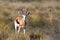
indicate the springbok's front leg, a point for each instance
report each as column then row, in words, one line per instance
column 24, row 30
column 19, row 29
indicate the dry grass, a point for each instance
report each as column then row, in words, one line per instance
column 39, row 22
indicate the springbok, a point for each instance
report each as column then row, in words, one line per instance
column 20, row 21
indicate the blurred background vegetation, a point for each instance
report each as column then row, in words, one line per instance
column 44, row 20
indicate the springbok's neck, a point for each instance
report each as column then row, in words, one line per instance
column 24, row 16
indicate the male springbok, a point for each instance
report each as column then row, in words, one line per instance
column 19, row 22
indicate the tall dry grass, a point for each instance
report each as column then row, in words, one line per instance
column 43, row 21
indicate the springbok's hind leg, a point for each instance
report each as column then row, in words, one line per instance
column 15, row 27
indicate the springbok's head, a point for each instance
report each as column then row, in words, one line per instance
column 23, row 12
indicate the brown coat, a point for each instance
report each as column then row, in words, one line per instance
column 20, row 21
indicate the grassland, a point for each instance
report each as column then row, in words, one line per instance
column 43, row 21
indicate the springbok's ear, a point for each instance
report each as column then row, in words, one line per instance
column 28, row 13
